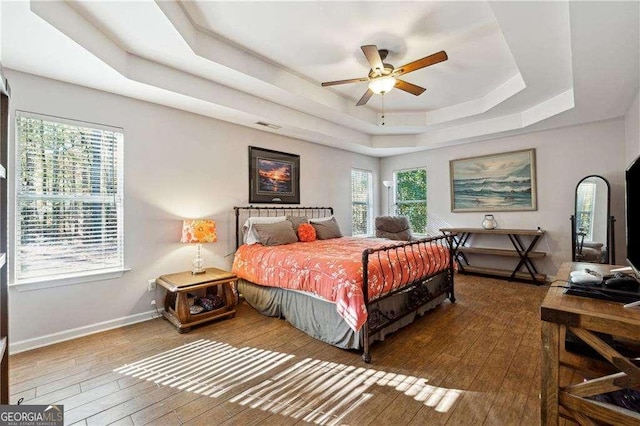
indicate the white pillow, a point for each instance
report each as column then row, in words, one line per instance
column 250, row 236
column 320, row 219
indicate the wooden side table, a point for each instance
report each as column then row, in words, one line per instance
column 176, row 303
column 585, row 317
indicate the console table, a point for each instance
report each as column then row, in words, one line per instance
column 583, row 317
column 523, row 253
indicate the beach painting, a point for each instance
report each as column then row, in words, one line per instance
column 497, row 182
column 274, row 177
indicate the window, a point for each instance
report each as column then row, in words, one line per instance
column 68, row 198
column 411, row 197
column 361, row 202
column 585, row 203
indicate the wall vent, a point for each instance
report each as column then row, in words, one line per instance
column 269, row 125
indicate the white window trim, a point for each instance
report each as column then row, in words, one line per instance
column 66, row 279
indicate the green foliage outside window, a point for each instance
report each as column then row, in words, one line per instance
column 411, row 198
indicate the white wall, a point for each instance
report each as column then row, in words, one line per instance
column 632, row 129
column 563, row 157
column 177, row 165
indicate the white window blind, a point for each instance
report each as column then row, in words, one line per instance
column 411, row 197
column 361, row 202
column 69, row 198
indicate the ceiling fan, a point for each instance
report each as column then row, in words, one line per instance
column 384, row 77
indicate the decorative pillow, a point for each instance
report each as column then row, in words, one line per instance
column 297, row 220
column 320, row 219
column 250, row 235
column 306, row 232
column 275, row 234
column 327, row 229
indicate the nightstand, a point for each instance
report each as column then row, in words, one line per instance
column 176, row 303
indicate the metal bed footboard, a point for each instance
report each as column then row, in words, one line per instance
column 417, row 250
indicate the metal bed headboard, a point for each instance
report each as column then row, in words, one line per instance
column 265, row 211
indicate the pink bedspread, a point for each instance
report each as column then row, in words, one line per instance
column 332, row 269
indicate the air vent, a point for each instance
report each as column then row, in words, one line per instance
column 269, row 125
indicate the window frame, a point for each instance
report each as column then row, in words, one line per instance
column 396, row 203
column 369, row 204
column 74, row 277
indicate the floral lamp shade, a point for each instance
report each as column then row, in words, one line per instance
column 198, row 231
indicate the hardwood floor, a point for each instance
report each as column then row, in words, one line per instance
column 470, row 363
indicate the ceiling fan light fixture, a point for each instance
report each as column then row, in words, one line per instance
column 382, row 84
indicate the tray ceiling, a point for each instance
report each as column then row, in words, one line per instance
column 513, row 66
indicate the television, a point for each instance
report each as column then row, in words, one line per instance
column 632, row 201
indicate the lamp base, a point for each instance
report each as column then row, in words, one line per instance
column 197, row 265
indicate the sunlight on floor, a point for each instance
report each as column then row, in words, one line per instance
column 324, row 392
column 205, row 367
column 320, row 392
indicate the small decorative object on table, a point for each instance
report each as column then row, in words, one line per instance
column 489, row 222
column 198, row 231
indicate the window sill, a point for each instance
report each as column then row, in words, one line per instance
column 41, row 283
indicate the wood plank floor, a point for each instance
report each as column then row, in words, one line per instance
column 470, row 363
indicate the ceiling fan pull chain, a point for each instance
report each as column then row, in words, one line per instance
column 383, row 108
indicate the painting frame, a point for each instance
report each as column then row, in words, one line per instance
column 274, row 177
column 494, row 182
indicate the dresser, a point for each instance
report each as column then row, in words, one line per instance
column 585, row 376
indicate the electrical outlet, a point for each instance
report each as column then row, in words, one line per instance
column 151, row 285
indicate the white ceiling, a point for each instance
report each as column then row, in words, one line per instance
column 513, row 66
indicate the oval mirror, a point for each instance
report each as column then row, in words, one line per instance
column 592, row 233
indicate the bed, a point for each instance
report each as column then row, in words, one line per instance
column 348, row 291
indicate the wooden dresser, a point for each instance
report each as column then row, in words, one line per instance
column 586, row 376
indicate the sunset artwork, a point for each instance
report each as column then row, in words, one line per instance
column 274, row 176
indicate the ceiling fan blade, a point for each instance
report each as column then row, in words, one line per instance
column 421, row 63
column 365, row 98
column 373, row 57
column 353, row 80
column 409, row 87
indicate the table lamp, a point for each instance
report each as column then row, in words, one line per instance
column 198, row 231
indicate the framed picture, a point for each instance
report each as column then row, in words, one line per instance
column 494, row 183
column 274, row 177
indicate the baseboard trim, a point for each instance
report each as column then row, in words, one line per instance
column 61, row 336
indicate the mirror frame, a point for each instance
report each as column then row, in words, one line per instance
column 610, row 239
